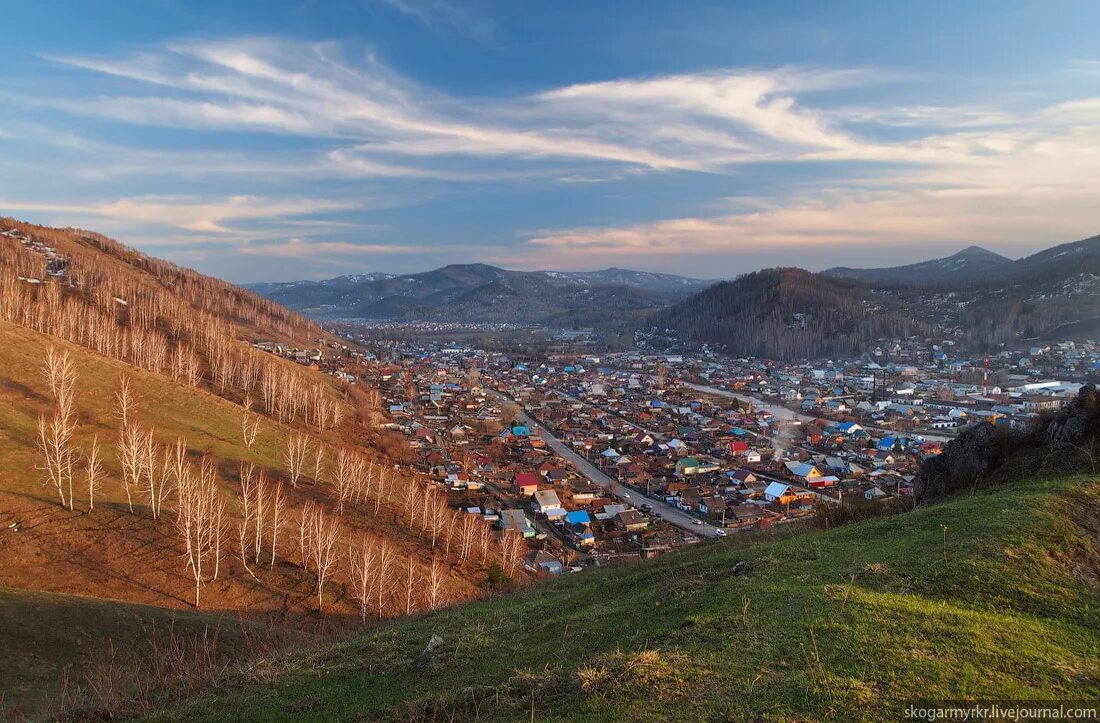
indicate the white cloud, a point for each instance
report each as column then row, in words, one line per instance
column 974, row 173
column 314, row 250
column 213, row 217
column 446, row 16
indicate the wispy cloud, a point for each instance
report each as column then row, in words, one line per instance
column 446, row 16
column 698, row 122
column 891, row 173
column 312, row 249
column 213, row 218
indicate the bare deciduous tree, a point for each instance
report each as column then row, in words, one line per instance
column 94, row 471
column 200, row 523
column 386, row 556
column 250, row 427
column 61, row 376
column 318, row 461
column 294, row 456
column 511, row 549
column 466, row 537
column 319, row 535
column 361, row 565
column 410, row 585
column 436, row 576
column 55, row 447
column 130, row 447
column 278, row 505
column 124, row 400
column 55, row 435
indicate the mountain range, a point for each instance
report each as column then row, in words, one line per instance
column 480, row 292
column 976, row 298
column 970, row 263
column 979, row 298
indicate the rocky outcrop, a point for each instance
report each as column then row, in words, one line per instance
column 962, row 463
column 970, row 460
column 1077, row 422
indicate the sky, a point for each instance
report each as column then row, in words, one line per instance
column 278, row 141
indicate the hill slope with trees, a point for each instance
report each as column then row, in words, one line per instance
column 151, row 454
column 787, row 313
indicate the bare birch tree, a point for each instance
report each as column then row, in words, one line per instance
column 384, row 584
column 436, row 576
column 294, row 456
column 320, row 533
column 250, row 427
column 361, row 565
column 124, row 400
column 278, row 505
column 94, row 473
column 410, row 585
column 200, row 524
column 511, row 548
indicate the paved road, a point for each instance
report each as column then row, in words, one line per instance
column 781, row 412
column 590, row 471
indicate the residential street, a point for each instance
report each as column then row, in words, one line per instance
column 586, row 468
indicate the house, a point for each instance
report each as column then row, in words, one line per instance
column 578, row 517
column 713, row 506
column 631, row 521
column 579, row 527
column 803, row 470
column 738, row 446
column 526, row 483
column 780, row 493
column 516, row 521
column 546, row 503
column 543, row 561
column 749, row 516
column 743, row 476
column 694, row 465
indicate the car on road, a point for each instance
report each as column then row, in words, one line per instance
column 646, row 506
column 721, row 533
column 696, row 522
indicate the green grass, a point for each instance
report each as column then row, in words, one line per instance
column 45, row 637
column 106, row 640
column 206, row 421
column 847, row 624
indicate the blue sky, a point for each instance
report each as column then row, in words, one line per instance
column 277, row 141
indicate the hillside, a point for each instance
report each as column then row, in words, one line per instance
column 989, row 596
column 786, row 313
column 979, row 301
column 167, row 462
column 971, row 263
column 479, row 292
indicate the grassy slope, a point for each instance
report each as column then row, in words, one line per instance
column 74, row 552
column 842, row 624
column 109, row 553
column 96, row 637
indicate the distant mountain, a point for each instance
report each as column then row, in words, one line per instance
column 650, row 280
column 1051, row 295
column 480, row 292
column 971, row 263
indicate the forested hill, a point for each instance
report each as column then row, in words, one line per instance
column 787, row 313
